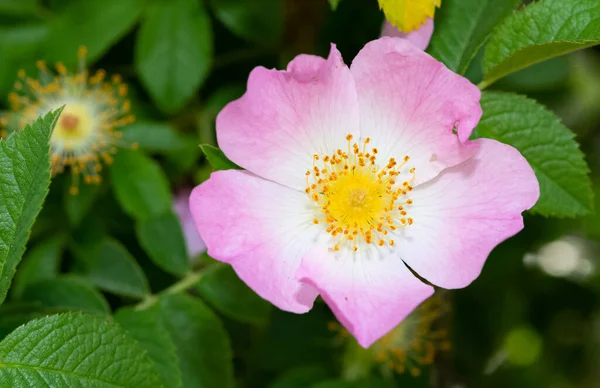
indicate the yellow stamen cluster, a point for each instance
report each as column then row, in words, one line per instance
column 408, row 15
column 416, row 341
column 359, row 199
column 86, row 133
column 411, row 345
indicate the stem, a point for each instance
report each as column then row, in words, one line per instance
column 190, row 280
column 484, row 84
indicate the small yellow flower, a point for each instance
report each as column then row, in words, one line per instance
column 406, row 349
column 408, row 15
column 86, row 133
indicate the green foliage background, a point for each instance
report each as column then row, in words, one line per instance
column 106, row 295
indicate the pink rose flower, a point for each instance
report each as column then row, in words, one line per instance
column 419, row 37
column 353, row 174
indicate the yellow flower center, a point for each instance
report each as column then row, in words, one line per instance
column 74, row 126
column 360, row 200
column 408, row 15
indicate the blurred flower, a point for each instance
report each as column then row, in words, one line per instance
column 419, row 38
column 86, row 132
column 181, row 206
column 409, row 346
column 567, row 257
column 351, row 173
column 408, row 15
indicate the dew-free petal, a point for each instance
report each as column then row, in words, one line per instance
column 419, row 37
column 460, row 216
column 410, row 103
column 285, row 117
column 262, row 229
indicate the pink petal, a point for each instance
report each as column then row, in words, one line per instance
column 370, row 291
column 181, row 205
column 419, row 38
column 460, row 216
column 262, row 229
column 410, row 103
column 286, row 117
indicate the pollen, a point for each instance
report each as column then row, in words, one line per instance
column 87, row 132
column 359, row 199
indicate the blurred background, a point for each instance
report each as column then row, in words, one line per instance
column 532, row 319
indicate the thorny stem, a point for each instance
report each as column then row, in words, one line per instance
column 190, row 280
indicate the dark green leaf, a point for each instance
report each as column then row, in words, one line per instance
column 163, row 240
column 19, row 7
column 146, row 328
column 543, row 30
column 66, row 293
column 13, row 315
column 77, row 206
column 140, row 185
column 548, row 146
column 202, row 343
column 217, row 158
column 463, row 26
column 261, row 21
column 96, row 24
column 174, row 51
column 42, row 262
column 109, row 266
column 300, row 377
column 24, row 180
column 154, row 137
column 224, row 290
column 74, row 350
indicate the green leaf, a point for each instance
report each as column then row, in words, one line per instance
column 74, row 350
column 202, row 343
column 334, row 4
column 217, row 158
column 13, row 315
column 463, row 26
column 78, row 206
column 146, row 328
column 543, row 30
column 18, row 7
column 261, row 21
column 154, row 137
column 66, row 293
column 548, row 146
column 24, row 180
column 42, row 262
column 111, row 267
column 173, row 51
column 162, row 238
column 300, row 377
column 96, row 24
column 224, row 290
column 140, row 185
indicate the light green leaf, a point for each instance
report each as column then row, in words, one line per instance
column 140, row 185
column 223, row 289
column 463, row 26
column 24, row 180
column 154, row 137
column 162, row 238
column 109, row 266
column 42, row 262
column 173, row 51
column 543, row 30
column 13, row 315
column 217, row 158
column 96, row 24
column 334, row 4
column 202, row 343
column 74, row 350
column 66, row 293
column 146, row 327
column 77, row 206
column 261, row 21
column 19, row 7
column 548, row 146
